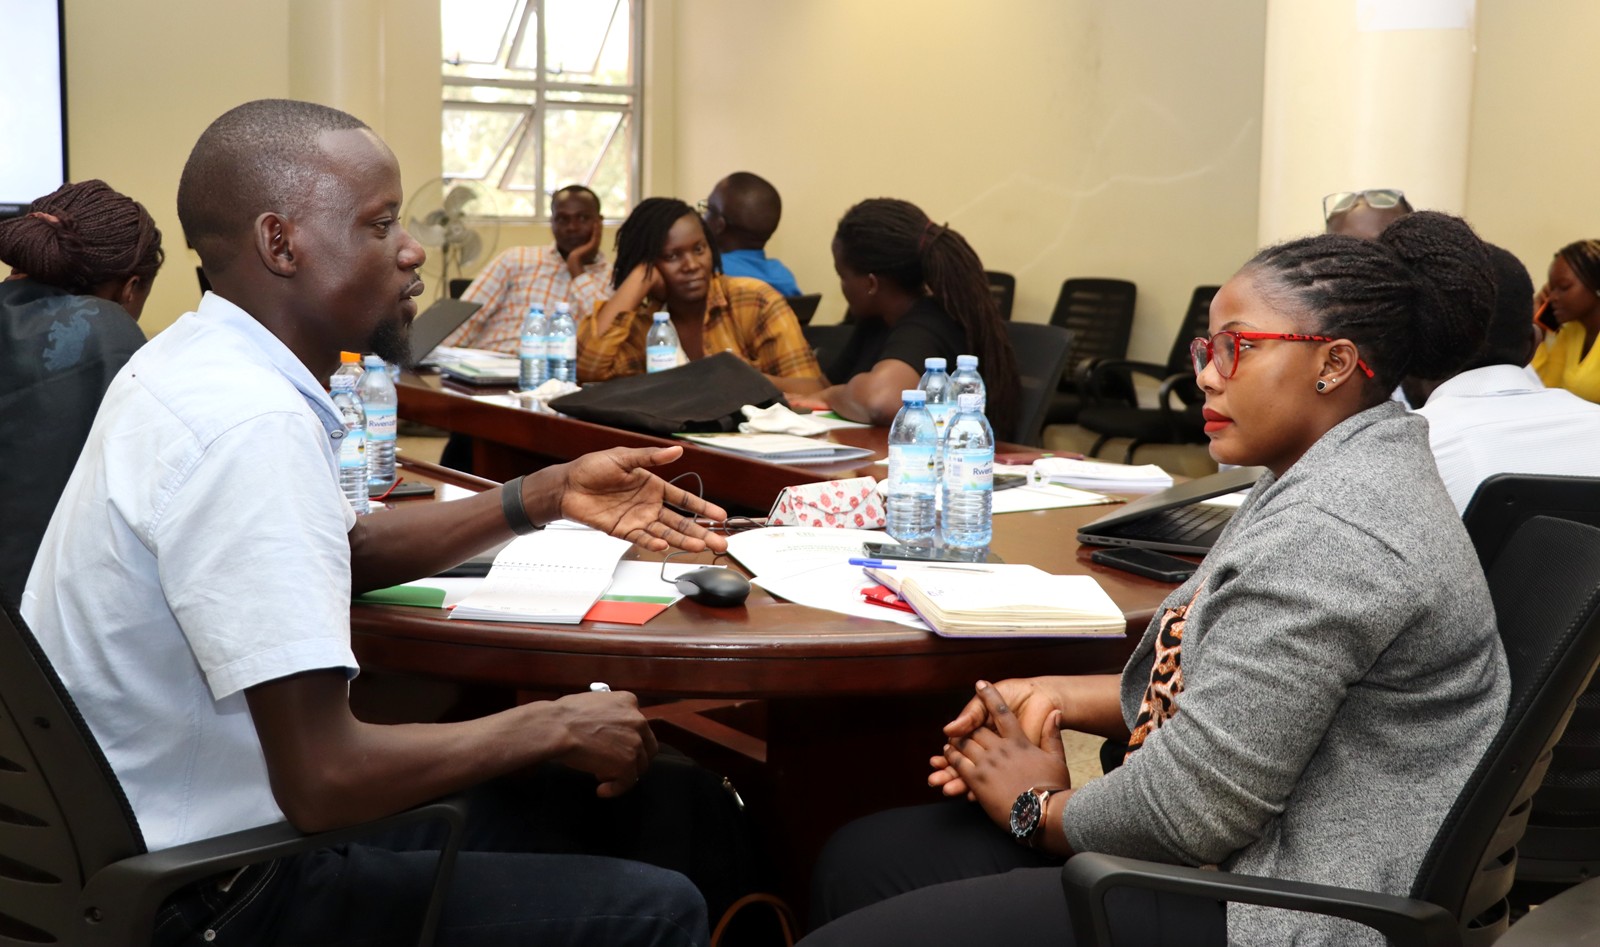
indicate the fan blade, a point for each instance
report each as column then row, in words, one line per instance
column 459, row 199
column 469, row 247
column 428, row 233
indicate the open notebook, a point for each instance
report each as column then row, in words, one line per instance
column 1004, row 601
column 554, row 575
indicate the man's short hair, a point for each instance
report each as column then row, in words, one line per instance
column 1508, row 335
column 255, row 158
column 574, row 189
column 751, row 205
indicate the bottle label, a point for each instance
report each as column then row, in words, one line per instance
column 942, row 413
column 659, row 358
column 911, row 465
column 532, row 346
column 565, row 349
column 969, row 469
column 353, row 450
column 381, row 422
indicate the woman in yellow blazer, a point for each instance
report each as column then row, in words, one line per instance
column 1569, row 359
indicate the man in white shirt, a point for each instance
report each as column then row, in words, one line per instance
column 193, row 588
column 572, row 270
column 1496, row 416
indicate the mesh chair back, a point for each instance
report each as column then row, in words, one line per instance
column 1196, row 324
column 804, row 306
column 1041, row 355
column 62, row 813
column 1099, row 314
column 1546, row 590
column 1003, row 287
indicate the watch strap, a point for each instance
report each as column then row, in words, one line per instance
column 513, row 510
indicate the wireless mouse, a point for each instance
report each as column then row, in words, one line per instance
column 714, row 586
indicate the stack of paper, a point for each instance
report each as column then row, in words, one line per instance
column 1014, row 601
column 780, row 448
column 549, row 576
column 1100, row 476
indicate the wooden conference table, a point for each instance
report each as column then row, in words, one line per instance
column 836, row 714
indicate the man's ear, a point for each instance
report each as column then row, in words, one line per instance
column 274, row 243
column 872, row 284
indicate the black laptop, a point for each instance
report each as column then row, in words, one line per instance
column 437, row 321
column 1174, row 520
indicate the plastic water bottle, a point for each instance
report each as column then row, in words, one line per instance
column 968, row 477
column 661, row 348
column 562, row 339
column 533, row 369
column 381, row 405
column 353, row 446
column 966, row 380
column 936, row 384
column 349, row 366
column 912, row 484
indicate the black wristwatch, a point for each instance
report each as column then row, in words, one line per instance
column 1027, row 814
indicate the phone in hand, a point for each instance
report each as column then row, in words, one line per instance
column 1151, row 565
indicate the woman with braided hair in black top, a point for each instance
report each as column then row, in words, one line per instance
column 1307, row 707
column 917, row 290
column 1573, row 297
column 82, row 260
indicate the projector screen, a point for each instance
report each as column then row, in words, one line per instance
column 33, row 114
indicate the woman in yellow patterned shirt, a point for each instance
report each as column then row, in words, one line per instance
column 1573, row 293
column 664, row 261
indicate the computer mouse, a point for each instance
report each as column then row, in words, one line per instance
column 714, row 586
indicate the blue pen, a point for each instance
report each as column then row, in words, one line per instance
column 870, row 563
column 935, row 565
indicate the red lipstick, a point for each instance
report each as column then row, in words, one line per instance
column 1215, row 420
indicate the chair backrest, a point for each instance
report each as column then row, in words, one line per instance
column 1041, row 356
column 827, row 341
column 1546, row 590
column 458, row 286
column 1196, row 323
column 804, row 306
column 1099, row 314
column 62, row 813
column 1003, row 287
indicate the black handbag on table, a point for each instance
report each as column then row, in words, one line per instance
column 699, row 397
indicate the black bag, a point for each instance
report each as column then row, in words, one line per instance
column 700, row 397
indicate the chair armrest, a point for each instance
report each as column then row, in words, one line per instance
column 119, row 902
column 1087, row 877
column 1169, row 387
column 1091, row 375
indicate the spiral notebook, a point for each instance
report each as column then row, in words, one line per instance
column 554, row 576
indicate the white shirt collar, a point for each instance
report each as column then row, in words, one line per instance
column 226, row 315
column 1489, row 381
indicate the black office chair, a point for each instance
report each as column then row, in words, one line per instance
column 1177, row 418
column 1003, row 287
column 73, row 864
column 458, row 286
column 1562, row 844
column 827, row 341
column 1099, row 314
column 1546, row 590
column 804, row 306
column 1041, row 355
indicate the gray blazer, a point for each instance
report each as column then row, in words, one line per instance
column 1342, row 677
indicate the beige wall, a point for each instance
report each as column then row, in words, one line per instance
column 1061, row 137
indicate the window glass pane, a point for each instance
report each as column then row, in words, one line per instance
column 602, row 99
column 474, row 138
column 587, row 40
column 613, row 181
column 475, row 30
column 574, row 140
column 480, row 93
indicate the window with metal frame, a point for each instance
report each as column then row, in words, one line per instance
column 539, row 94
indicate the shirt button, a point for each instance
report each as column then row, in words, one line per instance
column 210, row 936
column 336, row 435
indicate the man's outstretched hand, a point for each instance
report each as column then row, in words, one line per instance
column 613, row 491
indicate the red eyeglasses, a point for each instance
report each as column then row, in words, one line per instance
column 1224, row 347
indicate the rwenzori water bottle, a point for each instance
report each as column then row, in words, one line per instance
column 562, row 339
column 661, row 348
column 532, row 366
column 353, row 446
column 941, row 394
column 349, row 364
column 968, row 517
column 966, row 380
column 909, row 508
column 379, row 401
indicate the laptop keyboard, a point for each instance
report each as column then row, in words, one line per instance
column 1189, row 525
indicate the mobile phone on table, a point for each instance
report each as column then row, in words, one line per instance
column 925, row 553
column 1151, row 565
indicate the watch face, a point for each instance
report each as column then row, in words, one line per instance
column 1025, row 815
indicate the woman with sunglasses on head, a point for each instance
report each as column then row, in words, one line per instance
column 1572, row 296
column 1307, row 706
column 664, row 261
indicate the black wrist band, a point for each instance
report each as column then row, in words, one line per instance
column 511, row 507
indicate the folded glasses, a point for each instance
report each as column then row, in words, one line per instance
column 1224, row 347
column 1378, row 198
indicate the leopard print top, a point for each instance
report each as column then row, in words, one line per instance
column 1166, row 677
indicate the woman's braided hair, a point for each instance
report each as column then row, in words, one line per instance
column 82, row 236
column 1583, row 258
column 895, row 240
column 1414, row 301
column 644, row 233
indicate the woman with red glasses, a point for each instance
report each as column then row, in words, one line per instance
column 1307, row 706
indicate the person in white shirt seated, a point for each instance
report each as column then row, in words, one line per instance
column 1495, row 415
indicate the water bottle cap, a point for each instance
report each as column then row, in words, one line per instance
column 372, row 361
column 968, row 401
column 933, row 361
column 662, row 316
column 563, row 309
column 536, row 308
column 350, row 358
column 966, row 361
column 913, row 396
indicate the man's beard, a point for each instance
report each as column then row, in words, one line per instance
column 391, row 341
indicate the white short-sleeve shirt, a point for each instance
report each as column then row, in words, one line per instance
column 200, row 548
column 1502, row 419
